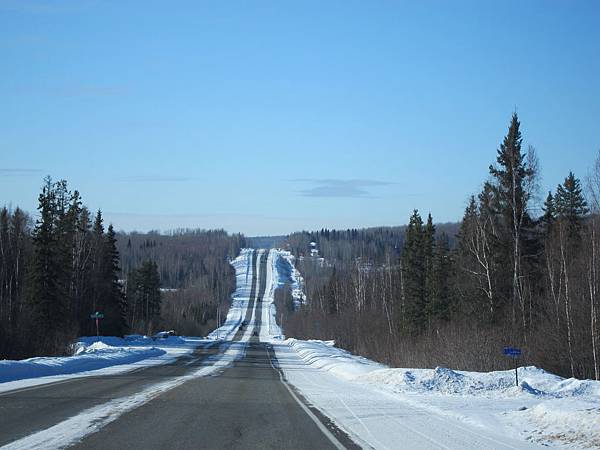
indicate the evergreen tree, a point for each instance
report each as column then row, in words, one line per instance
column 46, row 295
column 68, row 209
column 549, row 216
column 143, row 289
column 428, row 255
column 114, row 303
column 570, row 203
column 98, row 269
column 511, row 176
column 413, row 268
column 441, row 296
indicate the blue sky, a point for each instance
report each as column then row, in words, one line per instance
column 269, row 117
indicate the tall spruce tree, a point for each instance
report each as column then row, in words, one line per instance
column 441, row 295
column 98, row 269
column 46, row 293
column 428, row 255
column 511, row 176
column 570, row 203
column 549, row 216
column 114, row 302
column 413, row 275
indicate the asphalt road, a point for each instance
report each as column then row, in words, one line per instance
column 244, row 406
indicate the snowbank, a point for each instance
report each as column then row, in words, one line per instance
column 544, row 408
column 110, row 356
column 532, row 382
column 87, row 357
column 280, row 270
column 323, row 355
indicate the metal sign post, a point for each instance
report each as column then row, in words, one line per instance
column 97, row 316
column 513, row 353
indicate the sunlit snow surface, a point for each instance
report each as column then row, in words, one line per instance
column 74, row 429
column 113, row 355
column 440, row 408
column 377, row 406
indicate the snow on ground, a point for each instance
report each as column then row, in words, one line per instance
column 438, row 408
column 110, row 356
column 75, row 428
column 378, row 406
column 269, row 328
column 362, row 394
column 240, row 298
column 95, row 356
column 285, row 270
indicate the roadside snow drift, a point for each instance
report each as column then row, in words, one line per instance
column 381, row 407
column 109, row 355
column 96, row 356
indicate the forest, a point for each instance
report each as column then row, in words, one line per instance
column 455, row 295
column 56, row 270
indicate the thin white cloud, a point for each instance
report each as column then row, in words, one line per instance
column 336, row 188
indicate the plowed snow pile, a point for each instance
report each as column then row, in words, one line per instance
column 366, row 398
column 91, row 356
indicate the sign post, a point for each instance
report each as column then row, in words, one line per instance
column 513, row 353
column 97, row 316
column 218, row 321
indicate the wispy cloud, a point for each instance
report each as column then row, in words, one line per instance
column 155, row 179
column 352, row 188
column 19, row 172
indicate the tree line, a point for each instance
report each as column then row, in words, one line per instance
column 194, row 269
column 59, row 269
column 456, row 295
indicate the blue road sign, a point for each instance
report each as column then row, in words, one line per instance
column 512, row 352
column 97, row 315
